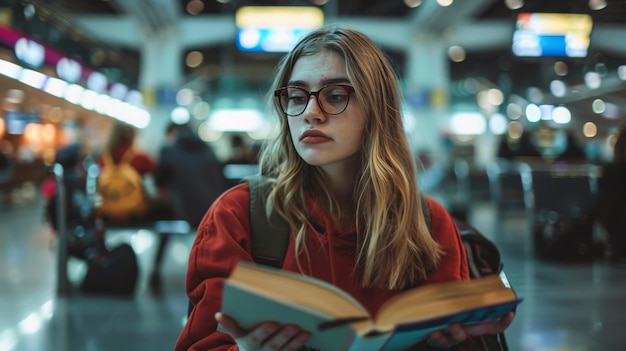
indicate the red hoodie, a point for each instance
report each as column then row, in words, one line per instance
column 223, row 239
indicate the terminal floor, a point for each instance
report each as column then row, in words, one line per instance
column 566, row 307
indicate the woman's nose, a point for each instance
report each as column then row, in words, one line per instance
column 313, row 110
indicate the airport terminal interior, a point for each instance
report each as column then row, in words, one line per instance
column 513, row 108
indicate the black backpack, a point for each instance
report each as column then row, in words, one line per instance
column 270, row 238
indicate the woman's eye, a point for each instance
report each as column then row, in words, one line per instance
column 336, row 95
column 297, row 98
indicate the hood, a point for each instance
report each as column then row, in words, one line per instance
column 341, row 237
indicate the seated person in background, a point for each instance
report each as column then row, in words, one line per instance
column 7, row 165
column 241, row 153
column 75, row 158
column 7, row 161
column 188, row 176
column 573, row 152
column 611, row 200
column 345, row 181
column 123, row 194
column 511, row 148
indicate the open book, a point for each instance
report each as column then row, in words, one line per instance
column 254, row 294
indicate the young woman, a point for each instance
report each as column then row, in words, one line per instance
column 345, row 181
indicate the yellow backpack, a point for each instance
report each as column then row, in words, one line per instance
column 122, row 194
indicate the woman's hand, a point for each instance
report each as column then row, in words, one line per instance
column 457, row 333
column 268, row 336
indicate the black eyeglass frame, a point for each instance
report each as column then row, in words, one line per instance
column 278, row 92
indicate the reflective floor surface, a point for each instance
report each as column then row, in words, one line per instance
column 578, row 307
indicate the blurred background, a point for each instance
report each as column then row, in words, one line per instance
column 471, row 73
column 512, row 108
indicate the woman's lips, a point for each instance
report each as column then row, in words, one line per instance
column 313, row 137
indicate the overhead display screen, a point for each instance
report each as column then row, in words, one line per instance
column 551, row 35
column 274, row 28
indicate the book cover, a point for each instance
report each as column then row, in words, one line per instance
column 254, row 294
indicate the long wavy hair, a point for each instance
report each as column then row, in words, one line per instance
column 396, row 249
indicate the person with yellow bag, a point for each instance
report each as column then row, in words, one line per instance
column 123, row 168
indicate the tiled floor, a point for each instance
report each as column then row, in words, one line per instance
column 566, row 307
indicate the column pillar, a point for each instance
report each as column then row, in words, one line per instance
column 426, row 81
column 160, row 73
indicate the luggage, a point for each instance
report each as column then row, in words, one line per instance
column 563, row 237
column 562, row 224
column 112, row 272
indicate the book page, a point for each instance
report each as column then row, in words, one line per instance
column 443, row 299
column 297, row 289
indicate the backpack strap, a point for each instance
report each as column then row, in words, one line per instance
column 269, row 237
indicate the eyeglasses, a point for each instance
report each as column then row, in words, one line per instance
column 332, row 99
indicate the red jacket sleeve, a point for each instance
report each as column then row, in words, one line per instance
column 222, row 240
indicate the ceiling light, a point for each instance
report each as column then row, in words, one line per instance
column 598, row 106
column 194, row 7
column 590, row 129
column 456, row 53
column 558, row 88
column 561, row 115
column 412, row 3
column 514, row 4
column 621, row 72
column 597, row 4
column 560, row 68
column 593, row 80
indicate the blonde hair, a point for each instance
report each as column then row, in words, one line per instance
column 396, row 248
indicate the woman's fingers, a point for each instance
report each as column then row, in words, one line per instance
column 445, row 339
column 491, row 327
column 268, row 336
column 229, row 325
column 457, row 333
column 286, row 338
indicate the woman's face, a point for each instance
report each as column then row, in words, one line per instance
column 328, row 141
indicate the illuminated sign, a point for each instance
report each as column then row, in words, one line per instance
column 274, row 28
column 551, row 35
column 36, row 54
